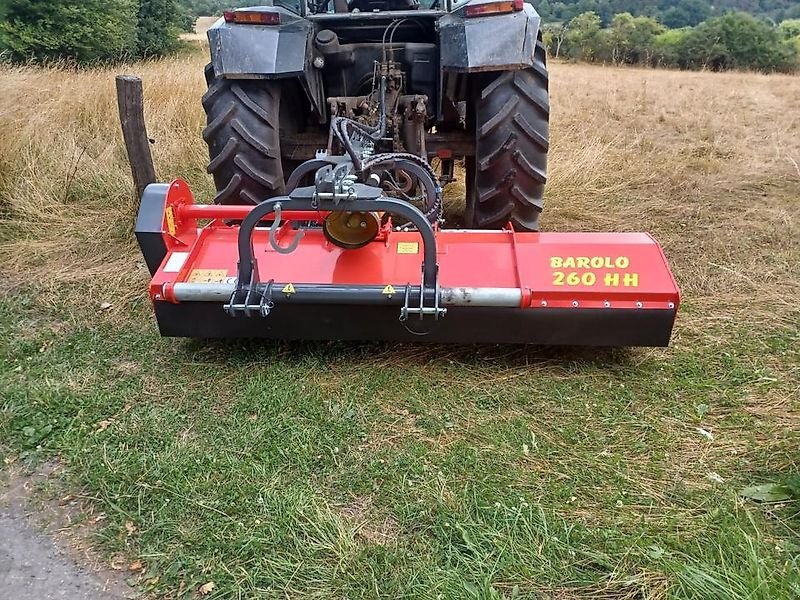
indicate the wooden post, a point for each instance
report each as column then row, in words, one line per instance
column 130, row 99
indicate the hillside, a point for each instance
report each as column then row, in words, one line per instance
column 672, row 13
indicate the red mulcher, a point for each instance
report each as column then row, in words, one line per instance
column 325, row 262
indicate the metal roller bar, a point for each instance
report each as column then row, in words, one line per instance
column 474, row 296
column 333, row 294
column 228, row 211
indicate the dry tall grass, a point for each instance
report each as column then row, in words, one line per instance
column 706, row 162
column 64, row 180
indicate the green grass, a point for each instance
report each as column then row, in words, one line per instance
column 376, row 470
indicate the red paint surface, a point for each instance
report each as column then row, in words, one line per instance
column 498, row 259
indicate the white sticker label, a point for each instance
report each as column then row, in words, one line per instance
column 175, row 262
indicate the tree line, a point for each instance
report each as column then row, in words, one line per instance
column 674, row 14
column 89, row 31
column 209, row 8
column 735, row 40
column 86, row 31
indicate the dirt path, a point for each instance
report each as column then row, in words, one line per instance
column 36, row 563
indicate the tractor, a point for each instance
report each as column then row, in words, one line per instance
column 454, row 83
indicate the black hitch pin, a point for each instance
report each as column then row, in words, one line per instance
column 266, row 305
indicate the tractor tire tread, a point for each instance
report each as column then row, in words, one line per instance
column 252, row 171
column 499, row 118
column 209, row 74
column 248, row 137
column 226, row 154
column 506, row 183
column 215, row 88
column 230, row 193
column 222, row 117
column 506, row 145
column 243, row 139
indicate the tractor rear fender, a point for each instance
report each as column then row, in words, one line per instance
column 285, row 51
column 495, row 42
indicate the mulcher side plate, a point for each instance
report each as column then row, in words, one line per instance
column 595, row 289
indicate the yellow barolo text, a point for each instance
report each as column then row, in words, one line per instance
column 589, row 276
column 589, row 262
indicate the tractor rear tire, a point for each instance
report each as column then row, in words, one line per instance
column 507, row 176
column 243, row 138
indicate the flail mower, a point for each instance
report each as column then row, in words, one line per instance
column 332, row 128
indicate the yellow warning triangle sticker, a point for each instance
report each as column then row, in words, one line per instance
column 388, row 290
column 169, row 216
column 288, row 289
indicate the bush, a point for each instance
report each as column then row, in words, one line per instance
column 790, row 32
column 79, row 30
column 210, row 8
column 733, row 41
column 667, row 47
column 790, row 29
column 737, row 41
column 158, row 27
column 87, row 31
column 584, row 39
column 632, row 38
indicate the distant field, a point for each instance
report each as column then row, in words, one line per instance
column 400, row 471
column 200, row 27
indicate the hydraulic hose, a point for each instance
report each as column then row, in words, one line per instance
column 340, row 127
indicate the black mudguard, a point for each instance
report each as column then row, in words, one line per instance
column 268, row 52
column 490, row 43
column 258, row 51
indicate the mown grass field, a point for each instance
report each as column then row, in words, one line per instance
column 403, row 471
